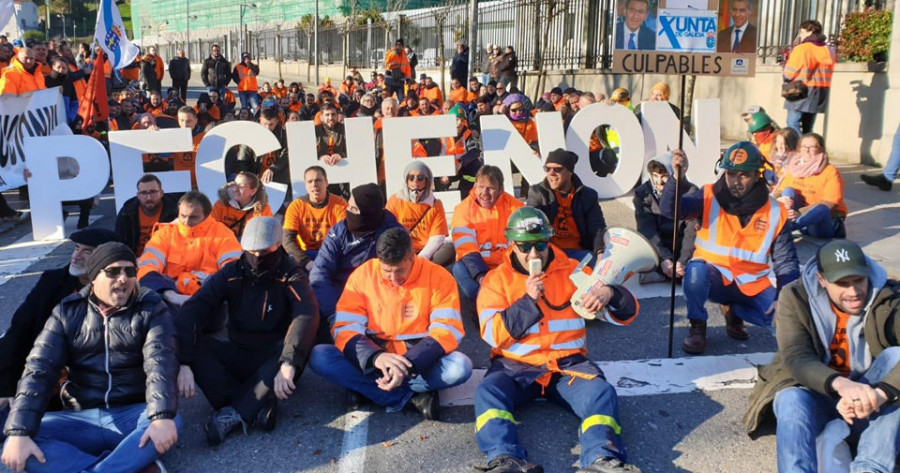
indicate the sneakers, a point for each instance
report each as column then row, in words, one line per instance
column 734, row 326
column 608, row 465
column 155, row 467
column 511, row 464
column 877, row 180
column 695, row 342
column 267, row 416
column 651, row 277
column 427, row 404
column 354, row 400
column 221, row 423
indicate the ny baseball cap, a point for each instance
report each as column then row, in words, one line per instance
column 841, row 258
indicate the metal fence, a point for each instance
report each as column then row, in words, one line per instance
column 546, row 34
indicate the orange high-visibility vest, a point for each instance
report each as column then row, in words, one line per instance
column 741, row 254
column 246, row 79
column 476, row 229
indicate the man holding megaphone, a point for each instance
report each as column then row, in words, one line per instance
column 538, row 349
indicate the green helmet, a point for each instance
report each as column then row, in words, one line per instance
column 742, row 156
column 528, row 224
column 457, row 112
column 757, row 121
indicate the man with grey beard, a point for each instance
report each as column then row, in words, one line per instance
column 29, row 319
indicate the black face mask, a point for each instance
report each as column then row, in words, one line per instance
column 364, row 223
column 262, row 264
column 57, row 75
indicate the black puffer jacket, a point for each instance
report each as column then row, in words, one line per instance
column 127, row 358
column 216, row 72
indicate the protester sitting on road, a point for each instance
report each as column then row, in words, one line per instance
column 538, row 344
column 186, row 161
column 657, row 228
column 477, row 229
column 741, row 227
column 812, row 191
column 241, row 201
column 349, row 244
column 261, row 359
column 836, row 364
column 422, row 215
column 29, row 319
column 331, row 144
column 182, row 254
column 762, row 130
column 309, row 218
column 784, row 148
column 397, row 360
column 140, row 214
column 573, row 208
column 116, row 340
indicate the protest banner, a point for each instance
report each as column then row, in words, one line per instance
column 38, row 113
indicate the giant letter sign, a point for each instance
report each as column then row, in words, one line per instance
column 661, row 134
column 127, row 149
column 398, row 136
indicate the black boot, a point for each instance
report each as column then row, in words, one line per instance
column 877, row 180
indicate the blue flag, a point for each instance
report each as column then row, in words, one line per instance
column 110, row 34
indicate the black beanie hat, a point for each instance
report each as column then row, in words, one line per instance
column 556, row 90
column 368, row 198
column 565, row 158
column 106, row 254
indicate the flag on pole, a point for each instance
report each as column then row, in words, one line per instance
column 110, row 34
column 7, row 11
column 93, row 107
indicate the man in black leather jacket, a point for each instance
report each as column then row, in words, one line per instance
column 117, row 342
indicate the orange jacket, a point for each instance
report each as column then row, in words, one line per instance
column 80, row 84
column 16, row 80
column 740, row 253
column 434, row 94
column 483, row 231
column 348, row 88
column 280, row 92
column 328, row 88
column 462, row 95
column 827, row 186
column 527, row 129
column 186, row 161
column 435, row 111
column 236, row 219
column 381, row 316
column 155, row 111
column 812, row 64
column 188, row 254
column 422, row 220
column 311, row 223
column 160, row 67
column 393, row 60
column 246, row 79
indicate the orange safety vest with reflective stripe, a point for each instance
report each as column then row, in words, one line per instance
column 560, row 333
column 476, row 229
column 741, row 254
column 425, row 305
column 392, row 59
column 188, row 255
column 812, row 64
column 246, row 79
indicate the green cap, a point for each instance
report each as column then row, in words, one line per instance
column 742, row 156
column 757, row 121
column 457, row 112
column 841, row 258
column 528, row 224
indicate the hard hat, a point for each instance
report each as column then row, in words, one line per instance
column 757, row 121
column 528, row 224
column 457, row 112
column 742, row 156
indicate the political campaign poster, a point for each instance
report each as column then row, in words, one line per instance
column 38, row 113
column 696, row 37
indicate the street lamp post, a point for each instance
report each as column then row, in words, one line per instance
column 244, row 8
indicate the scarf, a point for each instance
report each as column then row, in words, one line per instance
column 746, row 205
column 802, row 167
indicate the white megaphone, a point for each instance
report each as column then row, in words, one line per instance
column 627, row 252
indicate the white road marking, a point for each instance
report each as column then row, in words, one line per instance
column 653, row 376
column 353, row 449
column 18, row 256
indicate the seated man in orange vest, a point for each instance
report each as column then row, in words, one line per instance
column 185, row 161
column 538, row 349
column 741, row 227
column 182, row 254
column 478, row 229
column 309, row 218
column 396, row 331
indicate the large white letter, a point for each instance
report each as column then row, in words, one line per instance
column 47, row 190
column 127, row 148
column 660, row 125
column 398, row 135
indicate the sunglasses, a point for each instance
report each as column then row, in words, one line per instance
column 553, row 169
column 114, row 272
column 417, row 178
column 537, row 245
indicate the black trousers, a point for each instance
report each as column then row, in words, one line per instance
column 181, row 86
column 231, row 375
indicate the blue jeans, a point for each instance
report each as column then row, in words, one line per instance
column 464, row 280
column 249, row 100
column 94, row 440
column 802, row 414
column 703, row 282
column 893, row 163
column 450, row 370
column 817, row 221
column 594, row 401
column 801, row 122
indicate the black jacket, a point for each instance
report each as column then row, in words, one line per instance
column 125, row 358
column 28, row 321
column 180, row 69
column 658, row 228
column 459, row 67
column 128, row 222
column 585, row 210
column 216, row 72
column 263, row 311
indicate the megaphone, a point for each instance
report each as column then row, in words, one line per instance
column 627, row 252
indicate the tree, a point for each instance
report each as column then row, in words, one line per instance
column 307, row 26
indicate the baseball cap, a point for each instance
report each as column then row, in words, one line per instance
column 261, row 233
column 742, row 156
column 841, row 258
